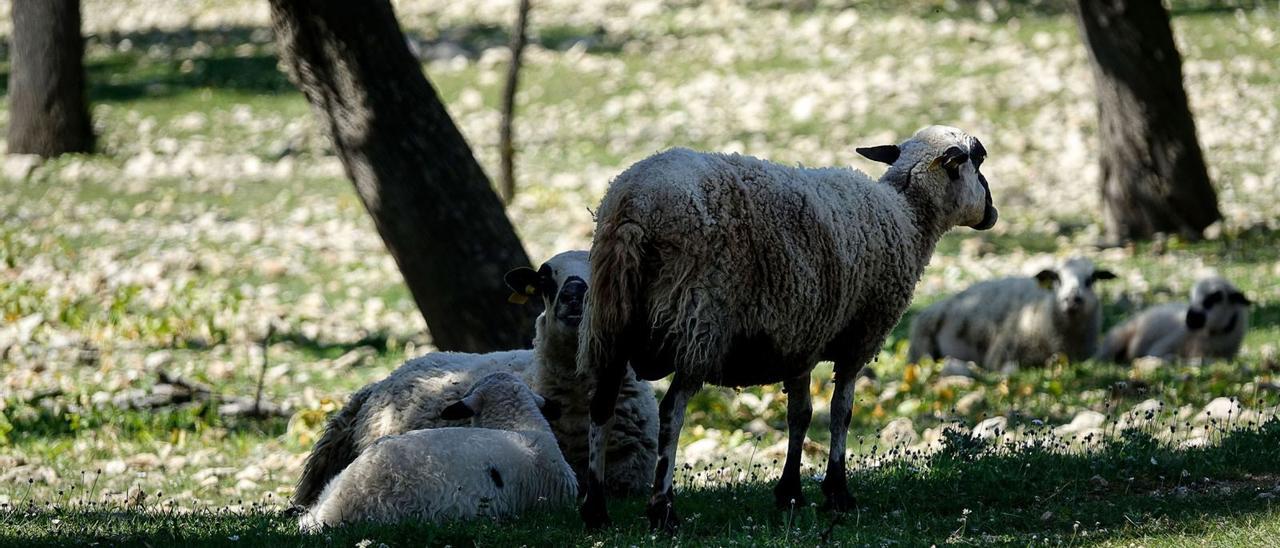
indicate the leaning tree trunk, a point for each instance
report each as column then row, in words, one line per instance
column 48, row 114
column 1153, row 174
column 429, row 198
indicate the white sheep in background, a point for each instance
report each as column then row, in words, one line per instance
column 736, row 271
column 1023, row 320
column 412, row 397
column 1211, row 326
column 506, row 464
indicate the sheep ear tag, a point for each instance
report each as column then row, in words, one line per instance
column 1046, row 279
column 523, row 284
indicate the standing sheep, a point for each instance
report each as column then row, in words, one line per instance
column 1023, row 320
column 412, row 397
column 507, row 463
column 736, row 271
column 1212, row 326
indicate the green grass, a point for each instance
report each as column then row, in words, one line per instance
column 1132, row 489
column 80, row 237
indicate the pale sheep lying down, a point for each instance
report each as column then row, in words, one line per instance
column 1022, row 320
column 1211, row 326
column 504, row 465
column 412, row 397
column 736, row 271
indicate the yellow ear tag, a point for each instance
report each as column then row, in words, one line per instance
column 517, row 298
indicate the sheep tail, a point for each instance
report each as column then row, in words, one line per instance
column 333, row 452
column 616, row 278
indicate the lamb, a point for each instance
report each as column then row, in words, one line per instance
column 1211, row 326
column 505, row 464
column 412, row 397
column 736, row 271
column 1022, row 320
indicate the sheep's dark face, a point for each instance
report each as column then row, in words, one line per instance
column 1072, row 286
column 1216, row 305
column 945, row 163
column 562, row 283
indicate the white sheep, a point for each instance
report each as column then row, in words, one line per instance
column 505, row 464
column 1211, row 326
column 412, row 396
column 1022, row 320
column 736, row 271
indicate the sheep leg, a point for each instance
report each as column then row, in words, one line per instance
column 835, row 486
column 661, row 507
column 604, row 400
column 787, row 494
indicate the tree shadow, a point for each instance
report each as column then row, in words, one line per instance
column 55, row 422
column 127, row 66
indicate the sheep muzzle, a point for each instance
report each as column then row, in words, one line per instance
column 990, row 214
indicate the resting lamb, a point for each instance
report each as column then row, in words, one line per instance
column 736, row 271
column 413, row 395
column 1021, row 320
column 505, row 464
column 1211, row 326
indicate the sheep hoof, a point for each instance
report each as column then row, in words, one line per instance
column 839, row 499
column 662, row 514
column 788, row 496
column 594, row 515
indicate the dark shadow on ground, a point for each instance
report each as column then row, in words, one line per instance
column 161, row 63
column 57, row 422
column 1131, row 488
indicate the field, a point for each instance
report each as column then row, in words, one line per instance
column 216, row 209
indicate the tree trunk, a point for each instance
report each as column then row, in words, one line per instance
column 509, row 101
column 1153, row 174
column 48, row 114
column 429, row 198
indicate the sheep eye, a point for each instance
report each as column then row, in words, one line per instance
column 547, row 280
column 977, row 153
column 1212, row 299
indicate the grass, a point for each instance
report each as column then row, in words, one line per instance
column 1131, row 489
column 215, row 206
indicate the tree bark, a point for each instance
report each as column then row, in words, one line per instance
column 48, row 113
column 412, row 168
column 1154, row 178
column 518, row 39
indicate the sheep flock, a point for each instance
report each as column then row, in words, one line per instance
column 726, row 270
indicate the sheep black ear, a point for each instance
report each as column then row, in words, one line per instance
column 1195, row 319
column 886, row 154
column 1103, row 275
column 1047, row 278
column 1239, row 298
column 551, row 409
column 524, row 283
column 457, row 412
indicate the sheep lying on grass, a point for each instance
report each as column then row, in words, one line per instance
column 506, row 464
column 412, row 397
column 736, row 271
column 1023, row 320
column 1211, row 326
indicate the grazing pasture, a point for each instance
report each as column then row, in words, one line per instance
column 214, row 238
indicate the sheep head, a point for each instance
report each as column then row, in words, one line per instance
column 1215, row 305
column 1072, row 286
column 562, row 283
column 503, row 393
column 941, row 165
